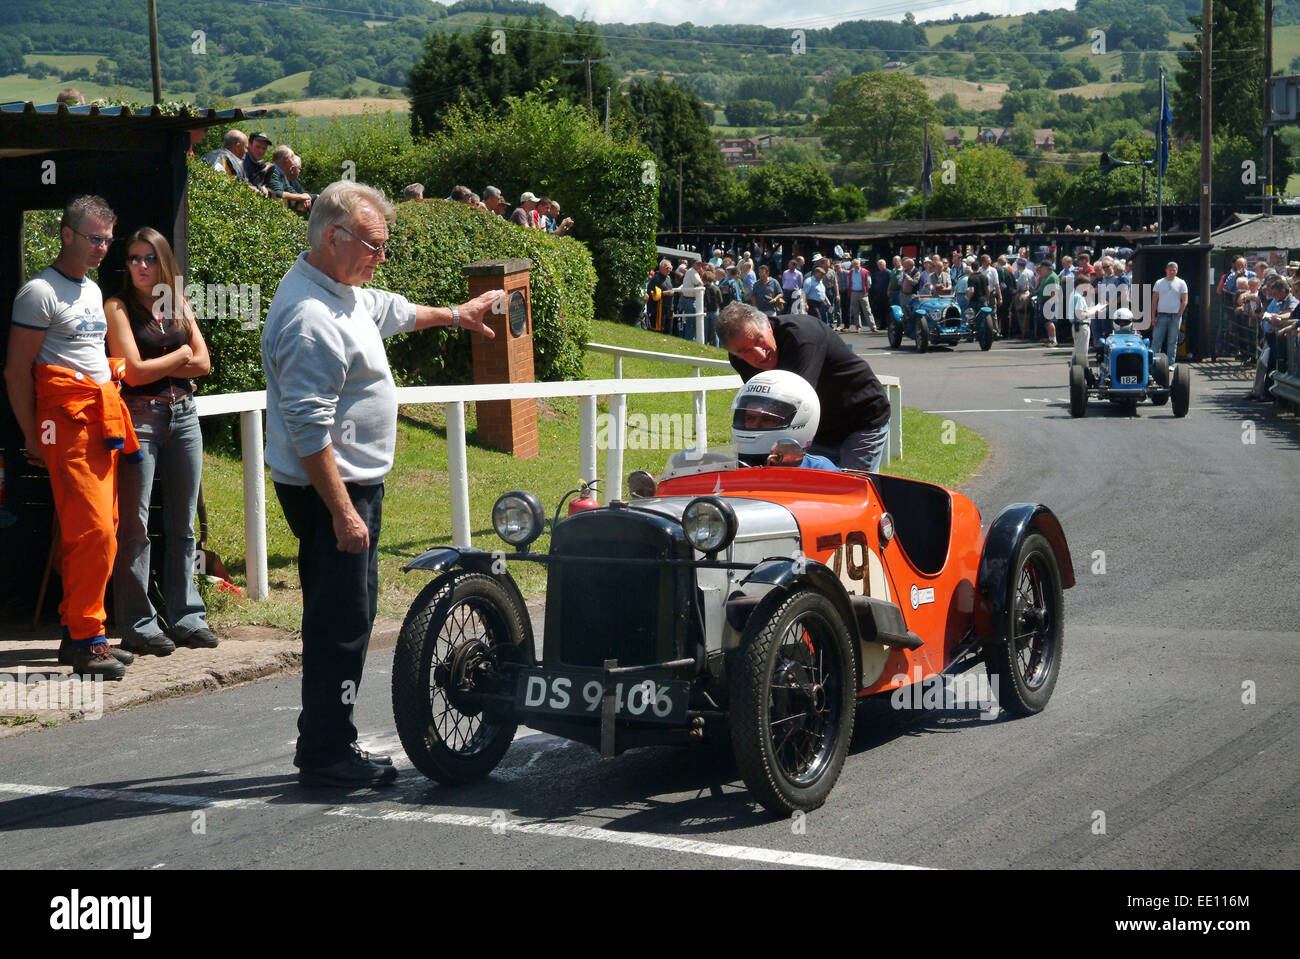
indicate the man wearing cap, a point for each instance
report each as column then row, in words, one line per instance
column 526, row 213
column 254, row 160
column 1171, row 303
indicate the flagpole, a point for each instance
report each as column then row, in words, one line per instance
column 924, row 183
column 1162, row 131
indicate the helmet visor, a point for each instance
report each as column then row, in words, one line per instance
column 762, row 413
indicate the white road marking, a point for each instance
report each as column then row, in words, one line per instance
column 696, row 847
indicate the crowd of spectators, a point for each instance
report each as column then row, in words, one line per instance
column 244, row 158
column 855, row 294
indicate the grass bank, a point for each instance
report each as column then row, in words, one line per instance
column 416, row 507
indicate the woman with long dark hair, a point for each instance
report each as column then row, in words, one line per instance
column 151, row 325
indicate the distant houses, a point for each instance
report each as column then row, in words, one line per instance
column 748, row 151
column 1044, row 139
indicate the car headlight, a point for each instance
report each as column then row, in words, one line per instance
column 518, row 518
column 710, row 523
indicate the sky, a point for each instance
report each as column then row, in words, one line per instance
column 784, row 13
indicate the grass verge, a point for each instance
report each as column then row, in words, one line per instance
column 416, row 506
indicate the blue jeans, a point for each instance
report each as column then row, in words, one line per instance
column 172, row 446
column 1164, row 339
column 711, row 328
column 862, row 450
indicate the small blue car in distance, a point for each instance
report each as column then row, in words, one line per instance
column 1128, row 373
column 936, row 319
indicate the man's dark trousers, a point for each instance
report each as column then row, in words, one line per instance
column 340, row 593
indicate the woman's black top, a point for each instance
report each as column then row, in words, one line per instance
column 155, row 338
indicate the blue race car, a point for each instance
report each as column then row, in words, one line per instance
column 936, row 319
column 1129, row 372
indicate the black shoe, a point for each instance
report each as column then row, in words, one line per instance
column 348, row 773
column 375, row 758
column 159, row 645
column 201, row 638
column 96, row 660
column 66, row 653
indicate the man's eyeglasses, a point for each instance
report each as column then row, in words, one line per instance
column 93, row 239
column 373, row 250
column 149, row 259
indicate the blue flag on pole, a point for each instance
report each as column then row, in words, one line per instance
column 927, row 166
column 1162, row 134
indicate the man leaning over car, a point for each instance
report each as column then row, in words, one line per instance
column 854, row 406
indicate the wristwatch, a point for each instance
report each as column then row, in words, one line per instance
column 455, row 317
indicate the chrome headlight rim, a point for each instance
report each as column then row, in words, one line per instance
column 535, row 515
column 710, row 508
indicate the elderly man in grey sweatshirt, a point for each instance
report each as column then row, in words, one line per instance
column 331, row 431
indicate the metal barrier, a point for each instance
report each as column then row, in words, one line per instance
column 1286, row 386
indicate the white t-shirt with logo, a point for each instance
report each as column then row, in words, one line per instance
column 71, row 312
column 1169, row 294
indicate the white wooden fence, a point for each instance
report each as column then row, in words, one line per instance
column 250, row 407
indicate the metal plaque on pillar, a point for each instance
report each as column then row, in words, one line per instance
column 508, row 425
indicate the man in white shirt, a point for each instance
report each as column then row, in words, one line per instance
column 1171, row 304
column 331, row 430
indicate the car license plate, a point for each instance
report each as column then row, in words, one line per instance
column 1128, row 380
column 580, row 694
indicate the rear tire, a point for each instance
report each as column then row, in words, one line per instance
column 1026, row 660
column 793, row 699
column 1078, row 391
column 986, row 335
column 459, row 629
column 1181, row 390
column 1160, row 369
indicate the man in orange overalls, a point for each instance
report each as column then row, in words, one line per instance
column 62, row 391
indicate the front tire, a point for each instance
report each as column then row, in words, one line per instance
column 895, row 334
column 1026, row 660
column 1181, row 391
column 792, row 701
column 1078, row 391
column 459, row 631
column 922, row 336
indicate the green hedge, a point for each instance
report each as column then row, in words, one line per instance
column 606, row 182
column 432, row 239
column 237, row 237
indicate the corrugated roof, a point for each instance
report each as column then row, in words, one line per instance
column 27, row 127
column 1256, row 231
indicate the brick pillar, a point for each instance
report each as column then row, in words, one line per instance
column 508, row 425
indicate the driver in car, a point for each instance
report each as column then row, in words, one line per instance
column 774, row 418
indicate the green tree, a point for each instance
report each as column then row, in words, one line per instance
column 606, row 182
column 1063, row 77
column 749, row 113
column 1238, row 83
column 481, row 69
column 984, row 181
column 788, row 193
column 875, row 123
column 1051, row 185
column 674, row 124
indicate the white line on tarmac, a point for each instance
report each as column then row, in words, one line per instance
column 694, row 847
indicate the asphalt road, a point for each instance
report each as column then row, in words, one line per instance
column 1147, row 756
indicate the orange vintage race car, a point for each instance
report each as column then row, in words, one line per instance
column 755, row 603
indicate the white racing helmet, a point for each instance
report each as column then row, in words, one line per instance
column 774, row 405
column 1123, row 317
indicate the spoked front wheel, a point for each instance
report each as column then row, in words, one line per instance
column 1026, row 661
column 792, row 703
column 458, row 636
